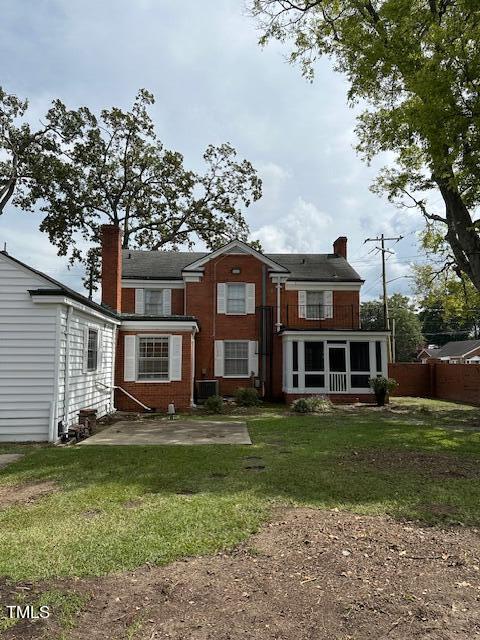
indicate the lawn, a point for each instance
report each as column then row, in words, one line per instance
column 116, row 508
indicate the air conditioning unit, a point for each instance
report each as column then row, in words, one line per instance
column 205, row 389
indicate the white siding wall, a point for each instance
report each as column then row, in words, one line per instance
column 32, row 336
column 91, row 390
column 27, row 356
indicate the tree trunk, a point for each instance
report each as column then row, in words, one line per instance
column 461, row 235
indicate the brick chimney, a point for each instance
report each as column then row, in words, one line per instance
column 112, row 266
column 340, row 247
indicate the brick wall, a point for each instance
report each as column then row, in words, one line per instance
column 413, row 379
column 128, row 301
column 154, row 394
column 457, row 382
column 346, row 315
column 201, row 302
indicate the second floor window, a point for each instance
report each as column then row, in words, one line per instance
column 236, row 298
column 154, row 302
column 314, row 308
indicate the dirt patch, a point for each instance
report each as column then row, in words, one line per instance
column 425, row 464
column 25, row 493
column 309, row 574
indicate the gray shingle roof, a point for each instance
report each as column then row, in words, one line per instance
column 168, row 265
column 457, row 348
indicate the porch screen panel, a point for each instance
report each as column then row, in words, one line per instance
column 314, row 365
column 359, row 364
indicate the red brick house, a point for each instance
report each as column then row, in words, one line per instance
column 193, row 324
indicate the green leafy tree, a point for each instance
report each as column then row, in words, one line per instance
column 112, row 169
column 450, row 304
column 408, row 328
column 21, row 147
column 416, row 64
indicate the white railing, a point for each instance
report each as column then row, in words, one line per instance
column 338, row 382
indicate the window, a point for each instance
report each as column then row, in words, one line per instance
column 153, row 358
column 236, row 359
column 236, row 298
column 154, row 302
column 92, row 350
column 314, row 309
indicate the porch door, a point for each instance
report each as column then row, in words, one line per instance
column 337, row 365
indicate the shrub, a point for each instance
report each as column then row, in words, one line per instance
column 312, row 404
column 214, row 404
column 246, row 397
column 382, row 387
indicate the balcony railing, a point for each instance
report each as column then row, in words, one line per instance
column 322, row 316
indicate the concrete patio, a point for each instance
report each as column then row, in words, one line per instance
column 167, row 432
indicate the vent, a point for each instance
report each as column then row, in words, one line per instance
column 206, row 388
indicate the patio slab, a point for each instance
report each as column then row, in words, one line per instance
column 166, row 432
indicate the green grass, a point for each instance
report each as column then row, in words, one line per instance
column 120, row 507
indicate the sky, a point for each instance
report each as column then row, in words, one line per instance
column 212, row 84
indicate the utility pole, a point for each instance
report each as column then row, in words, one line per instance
column 383, row 250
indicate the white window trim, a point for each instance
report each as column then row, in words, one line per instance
column 235, row 313
column 242, row 375
column 98, row 369
column 137, row 351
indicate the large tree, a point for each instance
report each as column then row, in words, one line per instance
column 112, row 168
column 416, row 64
column 408, row 329
column 21, row 145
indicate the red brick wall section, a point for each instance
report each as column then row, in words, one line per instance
column 413, row 379
column 154, row 394
column 458, row 382
column 201, row 300
column 346, row 314
column 128, row 301
column 112, row 266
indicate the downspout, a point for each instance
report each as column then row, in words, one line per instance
column 278, row 324
column 66, row 402
column 263, row 346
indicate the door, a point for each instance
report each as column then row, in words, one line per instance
column 337, row 365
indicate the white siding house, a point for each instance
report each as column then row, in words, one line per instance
column 57, row 353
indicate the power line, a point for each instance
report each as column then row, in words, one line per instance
column 382, row 249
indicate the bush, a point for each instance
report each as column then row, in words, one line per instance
column 382, row 385
column 312, row 404
column 246, row 397
column 214, row 404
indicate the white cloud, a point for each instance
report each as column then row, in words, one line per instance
column 302, row 230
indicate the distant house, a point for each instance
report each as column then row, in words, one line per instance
column 455, row 352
